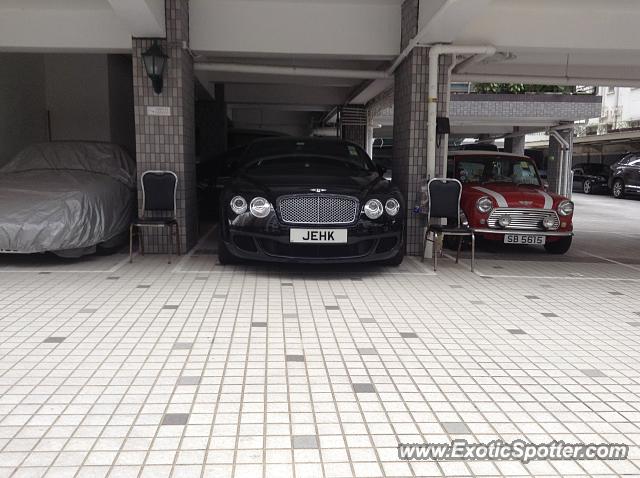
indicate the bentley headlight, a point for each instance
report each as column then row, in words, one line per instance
column 260, row 207
column 484, row 204
column 238, row 204
column 373, row 209
column 565, row 208
column 392, row 207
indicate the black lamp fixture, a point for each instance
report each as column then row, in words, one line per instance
column 155, row 60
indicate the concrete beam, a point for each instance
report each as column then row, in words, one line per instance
column 294, row 95
column 145, row 18
column 443, row 21
column 58, row 30
column 337, row 28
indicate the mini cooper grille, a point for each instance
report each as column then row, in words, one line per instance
column 318, row 209
column 523, row 218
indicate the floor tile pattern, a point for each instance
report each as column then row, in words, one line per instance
column 257, row 371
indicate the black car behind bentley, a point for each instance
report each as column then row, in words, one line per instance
column 310, row 200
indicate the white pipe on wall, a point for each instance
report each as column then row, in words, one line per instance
column 432, row 93
column 564, row 167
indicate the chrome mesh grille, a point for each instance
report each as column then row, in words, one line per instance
column 318, row 209
column 522, row 218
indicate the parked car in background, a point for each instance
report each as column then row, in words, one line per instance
column 68, row 198
column 625, row 176
column 312, row 200
column 504, row 199
column 590, row 178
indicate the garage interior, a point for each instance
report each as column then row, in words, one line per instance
column 193, row 368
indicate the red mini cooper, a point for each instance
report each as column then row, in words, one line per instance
column 504, row 199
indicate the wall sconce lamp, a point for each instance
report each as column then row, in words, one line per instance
column 155, row 60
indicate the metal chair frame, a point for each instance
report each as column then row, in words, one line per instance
column 438, row 236
column 170, row 222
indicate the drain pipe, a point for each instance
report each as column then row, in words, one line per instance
column 432, row 95
column 564, row 167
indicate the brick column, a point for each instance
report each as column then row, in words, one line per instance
column 410, row 123
column 167, row 141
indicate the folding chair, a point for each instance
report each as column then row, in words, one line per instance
column 159, row 199
column 444, row 203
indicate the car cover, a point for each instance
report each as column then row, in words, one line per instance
column 63, row 196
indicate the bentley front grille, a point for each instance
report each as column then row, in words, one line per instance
column 530, row 219
column 318, row 209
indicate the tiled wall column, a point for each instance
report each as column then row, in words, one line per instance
column 167, row 142
column 410, row 124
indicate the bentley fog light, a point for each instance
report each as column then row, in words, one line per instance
column 565, row 208
column 504, row 221
column 549, row 222
column 238, row 205
column 260, row 207
column 392, row 207
column 484, row 204
column 373, row 209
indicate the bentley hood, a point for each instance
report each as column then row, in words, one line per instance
column 360, row 186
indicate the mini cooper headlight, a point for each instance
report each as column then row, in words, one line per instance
column 392, row 207
column 373, row 209
column 549, row 222
column 484, row 204
column 504, row 220
column 238, row 204
column 260, row 207
column 565, row 208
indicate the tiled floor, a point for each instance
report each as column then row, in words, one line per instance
column 199, row 370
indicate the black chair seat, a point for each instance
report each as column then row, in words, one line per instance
column 154, row 221
column 158, row 198
column 450, row 229
column 444, row 203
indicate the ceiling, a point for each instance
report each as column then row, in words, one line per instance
column 568, row 40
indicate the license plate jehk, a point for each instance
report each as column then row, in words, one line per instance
column 318, row 236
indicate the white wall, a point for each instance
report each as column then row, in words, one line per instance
column 87, row 97
column 295, row 123
column 78, row 96
column 627, row 101
column 22, row 102
column 121, row 119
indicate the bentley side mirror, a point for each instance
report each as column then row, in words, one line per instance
column 545, row 185
column 382, row 170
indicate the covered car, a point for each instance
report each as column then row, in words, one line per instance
column 504, row 199
column 66, row 197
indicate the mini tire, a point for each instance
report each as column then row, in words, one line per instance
column 618, row 189
column 561, row 246
column 587, row 187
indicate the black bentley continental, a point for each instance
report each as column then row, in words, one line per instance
column 310, row 200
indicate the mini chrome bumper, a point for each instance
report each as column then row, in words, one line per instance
column 522, row 232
